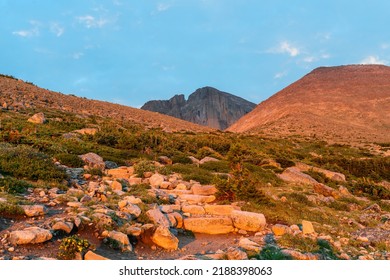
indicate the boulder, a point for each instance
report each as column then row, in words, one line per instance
column 64, row 226
column 38, row 118
column 86, row 131
column 165, row 239
column 157, row 217
column 110, row 164
column 164, row 160
column 156, row 180
column 335, row 176
column 93, row 161
column 248, row 221
column 307, row 227
column 195, row 199
column 198, row 189
column 91, row 256
column 122, row 172
column 207, row 159
column 193, row 209
column 132, row 209
column 234, row 253
column 293, row 175
column 116, row 186
column 34, row 210
column 178, row 217
column 209, row 225
column 147, row 233
column 249, row 245
column 326, row 191
column 122, row 239
column 280, row 230
column 31, row 235
column 220, row 210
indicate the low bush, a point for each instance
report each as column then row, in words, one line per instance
column 14, row 186
column 70, row 160
column 72, row 245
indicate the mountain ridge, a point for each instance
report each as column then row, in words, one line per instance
column 206, row 106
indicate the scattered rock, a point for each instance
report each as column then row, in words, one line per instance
column 132, row 209
column 335, row 176
column 164, row 160
column 165, row 239
column 110, row 164
column 307, row 227
column 248, row 220
column 325, row 191
column 31, row 235
column 293, row 175
column 299, row 256
column 249, row 245
column 64, row 226
column 116, row 186
column 198, row 189
column 34, row 210
column 280, row 230
column 157, row 217
column 91, row 256
column 93, row 161
column 207, row 159
column 234, row 253
column 122, row 172
column 375, row 208
column 156, row 180
column 122, row 239
column 38, row 118
column 86, row 131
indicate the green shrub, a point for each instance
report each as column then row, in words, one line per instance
column 72, row 245
column 24, row 162
column 192, row 172
column 272, row 252
column 144, row 166
column 181, row 158
column 284, row 162
column 70, row 160
column 368, row 187
column 10, row 209
column 216, row 166
column 13, row 186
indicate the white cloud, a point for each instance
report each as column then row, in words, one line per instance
column 309, row 59
column 286, row 48
column 373, row 60
column 77, row 55
column 92, row 22
column 280, row 75
column 385, row 46
column 160, row 8
column 31, row 32
column 57, row 29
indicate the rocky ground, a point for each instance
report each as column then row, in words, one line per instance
column 168, row 218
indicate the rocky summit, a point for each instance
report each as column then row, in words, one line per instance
column 344, row 104
column 207, row 106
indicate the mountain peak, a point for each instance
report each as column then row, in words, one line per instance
column 206, row 106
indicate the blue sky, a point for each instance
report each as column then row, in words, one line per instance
column 133, row 51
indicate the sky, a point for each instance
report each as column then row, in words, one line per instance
column 133, row 51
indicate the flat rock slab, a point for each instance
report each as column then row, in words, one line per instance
column 293, row 175
column 220, row 210
column 195, row 199
column 91, row 256
column 209, row 225
column 34, row 210
column 249, row 221
column 204, row 190
column 31, row 235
